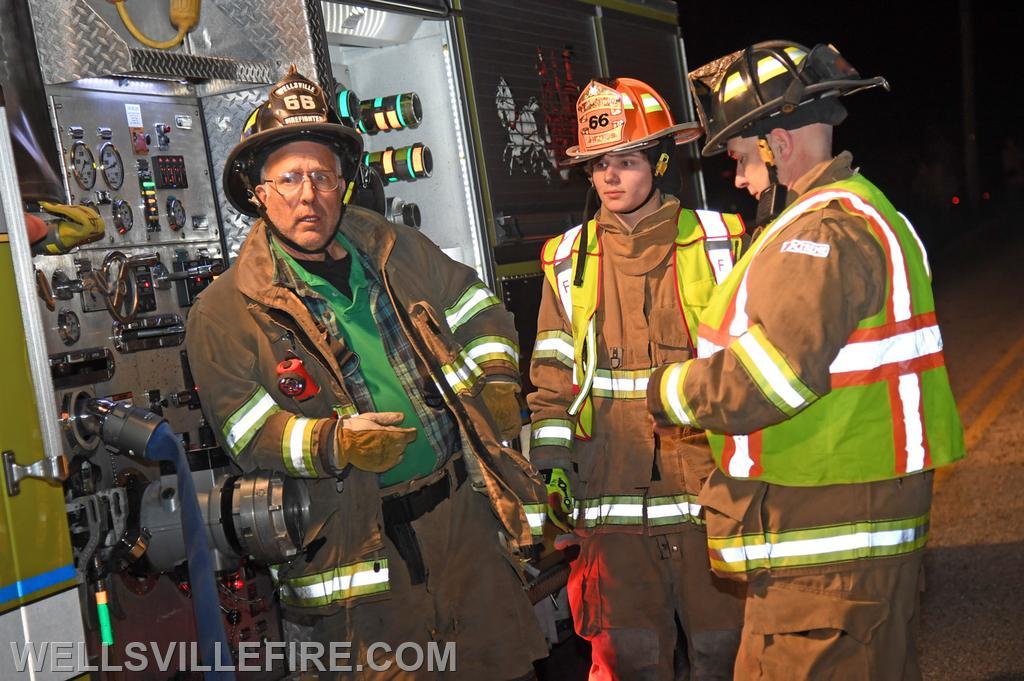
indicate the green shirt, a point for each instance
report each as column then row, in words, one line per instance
column 356, row 322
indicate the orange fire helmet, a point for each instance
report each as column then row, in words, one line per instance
column 623, row 115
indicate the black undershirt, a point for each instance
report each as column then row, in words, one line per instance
column 335, row 272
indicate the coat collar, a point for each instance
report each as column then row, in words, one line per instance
column 826, row 172
column 258, row 277
column 648, row 245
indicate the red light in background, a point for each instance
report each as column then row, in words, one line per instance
column 956, row 200
column 986, row 196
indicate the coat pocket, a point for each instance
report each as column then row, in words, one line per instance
column 434, row 331
column 802, row 630
column 670, row 339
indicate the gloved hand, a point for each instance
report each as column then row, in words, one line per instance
column 77, row 225
column 502, row 400
column 372, row 441
column 560, row 499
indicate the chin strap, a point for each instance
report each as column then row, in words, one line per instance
column 773, row 198
column 262, row 210
column 581, row 253
column 661, row 161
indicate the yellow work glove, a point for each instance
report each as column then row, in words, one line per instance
column 77, row 225
column 371, row 441
column 560, row 500
column 502, row 400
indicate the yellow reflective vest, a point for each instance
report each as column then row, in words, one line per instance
column 707, row 245
column 890, row 411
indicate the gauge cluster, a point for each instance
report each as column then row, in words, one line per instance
column 140, row 162
column 114, row 315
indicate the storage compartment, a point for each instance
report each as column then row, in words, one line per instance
column 402, row 70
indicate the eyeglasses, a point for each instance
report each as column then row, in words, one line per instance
column 290, row 183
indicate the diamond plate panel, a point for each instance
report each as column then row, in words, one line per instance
column 163, row 63
column 225, row 114
column 95, row 51
column 279, row 28
column 318, row 41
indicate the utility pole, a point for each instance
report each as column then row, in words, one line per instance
column 970, row 119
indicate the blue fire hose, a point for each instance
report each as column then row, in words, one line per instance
column 213, row 642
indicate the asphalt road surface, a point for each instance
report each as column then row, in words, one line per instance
column 972, row 625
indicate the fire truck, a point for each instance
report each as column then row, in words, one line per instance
column 466, row 108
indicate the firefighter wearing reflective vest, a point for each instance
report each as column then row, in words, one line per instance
column 622, row 296
column 821, row 381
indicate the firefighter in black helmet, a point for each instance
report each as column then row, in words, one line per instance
column 820, row 381
column 295, row 111
column 350, row 354
column 773, row 85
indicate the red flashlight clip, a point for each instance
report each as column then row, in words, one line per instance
column 294, row 381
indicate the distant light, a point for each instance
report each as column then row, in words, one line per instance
column 956, row 200
column 986, row 196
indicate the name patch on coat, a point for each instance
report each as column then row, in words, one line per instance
column 806, row 248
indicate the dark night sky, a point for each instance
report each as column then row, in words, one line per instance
column 910, row 140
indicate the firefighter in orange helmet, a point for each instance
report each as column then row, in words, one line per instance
column 622, row 298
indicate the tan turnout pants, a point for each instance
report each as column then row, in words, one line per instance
column 473, row 597
column 626, row 592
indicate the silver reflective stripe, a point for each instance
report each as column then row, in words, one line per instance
column 251, row 418
column 771, row 372
column 552, row 432
column 913, row 423
column 920, row 244
column 297, row 446
column 706, row 348
column 819, row 546
column 868, row 355
column 557, row 345
column 493, row 348
column 741, row 463
column 672, row 391
column 536, row 520
column 480, row 295
column 620, row 384
column 717, row 244
column 339, row 584
column 462, row 377
column 606, row 510
column 673, row 509
column 563, row 270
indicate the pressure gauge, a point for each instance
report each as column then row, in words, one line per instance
column 111, row 166
column 123, row 217
column 68, row 326
column 175, row 213
column 83, row 165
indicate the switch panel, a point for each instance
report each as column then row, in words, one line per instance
column 169, row 172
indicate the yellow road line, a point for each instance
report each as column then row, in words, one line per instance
column 976, row 430
column 993, row 409
column 986, row 381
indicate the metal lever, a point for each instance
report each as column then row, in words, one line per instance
column 51, row 469
column 203, row 271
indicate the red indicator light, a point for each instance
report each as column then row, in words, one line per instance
column 956, row 200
